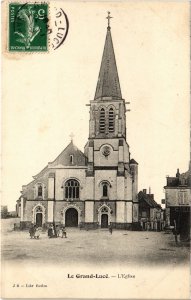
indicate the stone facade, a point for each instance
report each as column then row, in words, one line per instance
column 151, row 214
column 96, row 188
column 178, row 201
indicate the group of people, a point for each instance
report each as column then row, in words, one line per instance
column 34, row 231
column 56, row 231
column 53, row 232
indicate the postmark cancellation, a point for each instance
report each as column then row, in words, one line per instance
column 35, row 27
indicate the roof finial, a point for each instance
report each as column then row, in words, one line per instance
column 71, row 136
column 108, row 20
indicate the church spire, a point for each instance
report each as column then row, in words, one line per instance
column 108, row 81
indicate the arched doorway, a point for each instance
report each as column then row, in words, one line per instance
column 38, row 215
column 39, row 219
column 71, row 218
column 104, row 221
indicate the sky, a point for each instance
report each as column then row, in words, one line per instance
column 45, row 95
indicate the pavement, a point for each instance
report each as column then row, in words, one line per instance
column 93, row 265
column 94, row 247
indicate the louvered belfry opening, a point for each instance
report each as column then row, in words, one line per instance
column 111, row 120
column 102, row 120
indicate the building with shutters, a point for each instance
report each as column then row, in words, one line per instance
column 178, row 201
column 97, row 187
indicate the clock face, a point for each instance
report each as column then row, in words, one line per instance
column 106, row 150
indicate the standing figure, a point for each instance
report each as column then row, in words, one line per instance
column 80, row 226
column 148, row 226
column 111, row 229
column 57, row 231
column 64, row 232
column 31, row 231
column 175, row 232
column 50, row 232
column 37, row 233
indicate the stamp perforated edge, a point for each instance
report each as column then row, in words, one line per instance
column 23, row 53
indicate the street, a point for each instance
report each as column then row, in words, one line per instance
column 93, row 247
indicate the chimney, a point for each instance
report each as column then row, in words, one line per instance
column 149, row 190
column 177, row 173
column 145, row 191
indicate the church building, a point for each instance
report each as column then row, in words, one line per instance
column 97, row 187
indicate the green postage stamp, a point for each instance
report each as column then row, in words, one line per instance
column 28, row 27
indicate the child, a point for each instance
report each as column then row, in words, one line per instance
column 37, row 233
column 57, row 231
column 64, row 232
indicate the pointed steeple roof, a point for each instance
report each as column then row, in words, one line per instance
column 108, row 80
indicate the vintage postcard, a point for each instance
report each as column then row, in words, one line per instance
column 96, row 165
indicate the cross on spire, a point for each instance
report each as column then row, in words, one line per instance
column 108, row 80
column 108, row 19
column 71, row 136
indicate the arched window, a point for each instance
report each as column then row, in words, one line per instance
column 38, row 209
column 40, row 190
column 102, row 120
column 111, row 120
column 72, row 188
column 105, row 190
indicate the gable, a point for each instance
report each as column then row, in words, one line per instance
column 70, row 156
column 147, row 199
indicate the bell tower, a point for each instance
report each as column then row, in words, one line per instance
column 107, row 110
column 107, row 125
column 110, row 171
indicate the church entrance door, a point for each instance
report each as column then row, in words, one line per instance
column 39, row 219
column 71, row 218
column 104, row 221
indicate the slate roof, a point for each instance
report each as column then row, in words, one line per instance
column 79, row 159
column 148, row 198
column 108, row 80
column 132, row 161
